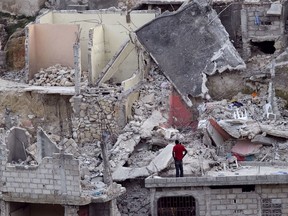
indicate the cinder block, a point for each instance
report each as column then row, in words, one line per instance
column 48, row 176
column 226, row 212
column 45, row 181
column 252, row 206
column 19, row 190
column 221, row 207
column 35, row 180
column 24, row 175
column 242, row 206
column 38, row 191
column 215, row 213
column 47, row 191
column 220, row 197
column 33, row 185
column 26, row 180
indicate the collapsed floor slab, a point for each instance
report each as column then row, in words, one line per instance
column 188, row 45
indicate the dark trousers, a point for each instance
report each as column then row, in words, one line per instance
column 179, row 168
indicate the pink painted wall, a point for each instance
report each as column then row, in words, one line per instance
column 50, row 45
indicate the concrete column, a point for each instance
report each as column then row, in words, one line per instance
column 5, row 208
column 153, row 202
column 71, row 211
column 77, row 67
column 114, row 211
column 245, row 39
column 107, row 175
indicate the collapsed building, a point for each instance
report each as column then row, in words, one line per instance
column 104, row 104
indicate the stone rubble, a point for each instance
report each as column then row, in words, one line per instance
column 56, row 75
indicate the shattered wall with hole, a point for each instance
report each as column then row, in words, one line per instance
column 20, row 7
column 55, row 180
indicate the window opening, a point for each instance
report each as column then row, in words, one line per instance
column 180, row 206
column 271, row 207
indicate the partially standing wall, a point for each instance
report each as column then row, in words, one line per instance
column 49, row 45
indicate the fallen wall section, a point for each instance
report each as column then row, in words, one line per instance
column 188, row 45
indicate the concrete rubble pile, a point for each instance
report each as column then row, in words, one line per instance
column 56, row 75
column 256, row 135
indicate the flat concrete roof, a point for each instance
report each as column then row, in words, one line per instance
column 244, row 176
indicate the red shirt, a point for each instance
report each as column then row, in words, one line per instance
column 178, row 150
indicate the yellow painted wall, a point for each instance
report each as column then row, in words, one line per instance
column 46, row 18
column 124, row 64
column 98, row 58
column 116, row 28
column 133, row 81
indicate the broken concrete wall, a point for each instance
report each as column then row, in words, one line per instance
column 49, row 45
column 187, row 48
column 55, row 180
column 20, row 7
column 122, row 65
column 114, row 21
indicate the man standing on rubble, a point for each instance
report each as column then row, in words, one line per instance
column 178, row 153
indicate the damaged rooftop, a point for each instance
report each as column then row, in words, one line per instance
column 94, row 94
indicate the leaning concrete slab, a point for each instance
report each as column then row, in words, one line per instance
column 161, row 161
column 188, row 45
